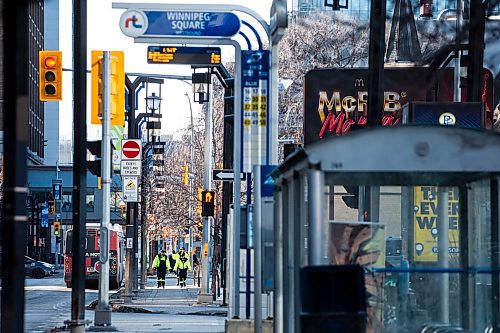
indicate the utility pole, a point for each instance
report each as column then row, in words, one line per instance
column 77, row 322
column 103, row 312
column 15, row 66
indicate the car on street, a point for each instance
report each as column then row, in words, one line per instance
column 37, row 269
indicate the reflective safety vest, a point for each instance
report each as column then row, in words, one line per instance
column 161, row 262
column 182, row 265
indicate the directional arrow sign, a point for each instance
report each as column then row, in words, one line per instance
column 227, row 175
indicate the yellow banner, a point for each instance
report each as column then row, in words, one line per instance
column 425, row 230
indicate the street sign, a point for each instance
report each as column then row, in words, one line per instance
column 150, row 23
column 45, row 217
column 255, row 97
column 131, row 149
column 130, row 189
column 225, row 175
column 184, row 55
column 130, row 168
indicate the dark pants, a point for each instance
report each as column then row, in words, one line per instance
column 183, row 276
column 160, row 274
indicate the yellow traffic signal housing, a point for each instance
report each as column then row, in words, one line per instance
column 57, row 228
column 117, row 88
column 185, row 176
column 200, row 194
column 50, row 75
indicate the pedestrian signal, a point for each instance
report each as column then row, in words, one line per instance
column 123, row 212
column 50, row 75
column 208, row 203
column 57, row 228
column 52, row 207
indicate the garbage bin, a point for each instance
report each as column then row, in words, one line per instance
column 333, row 299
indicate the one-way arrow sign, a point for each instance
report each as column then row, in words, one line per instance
column 227, row 175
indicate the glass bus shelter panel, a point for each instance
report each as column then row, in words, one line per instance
column 412, row 278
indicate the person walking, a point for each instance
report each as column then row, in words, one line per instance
column 175, row 257
column 183, row 266
column 196, row 269
column 161, row 264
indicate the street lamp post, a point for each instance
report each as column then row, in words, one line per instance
column 201, row 86
column 152, row 104
column 132, row 223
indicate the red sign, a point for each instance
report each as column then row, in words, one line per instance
column 131, row 149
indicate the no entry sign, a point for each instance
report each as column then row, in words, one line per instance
column 131, row 149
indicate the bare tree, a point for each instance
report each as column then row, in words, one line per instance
column 324, row 40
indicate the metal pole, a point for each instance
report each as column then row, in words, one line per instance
column 257, row 245
column 190, row 177
column 237, row 184
column 278, row 322
column 131, row 207
column 77, row 322
column 457, row 91
column 317, row 221
column 205, row 285
column 15, row 86
column 144, row 180
column 443, row 255
column 102, row 314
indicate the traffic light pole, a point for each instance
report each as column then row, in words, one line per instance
column 103, row 312
column 204, row 296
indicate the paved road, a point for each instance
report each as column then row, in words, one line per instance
column 48, row 305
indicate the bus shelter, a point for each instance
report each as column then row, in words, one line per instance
column 415, row 206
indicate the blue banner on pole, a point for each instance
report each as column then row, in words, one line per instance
column 184, row 23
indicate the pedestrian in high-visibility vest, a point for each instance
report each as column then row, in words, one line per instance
column 175, row 257
column 161, row 264
column 183, row 265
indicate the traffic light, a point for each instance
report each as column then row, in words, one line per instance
column 208, row 203
column 52, row 207
column 200, row 195
column 117, row 88
column 57, row 228
column 185, row 176
column 123, row 212
column 50, row 75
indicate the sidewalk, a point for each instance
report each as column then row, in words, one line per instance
column 164, row 310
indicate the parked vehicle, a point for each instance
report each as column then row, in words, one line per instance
column 116, row 256
column 37, row 269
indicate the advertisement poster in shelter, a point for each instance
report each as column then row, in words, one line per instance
column 363, row 243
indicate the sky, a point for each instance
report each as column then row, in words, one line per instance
column 104, row 34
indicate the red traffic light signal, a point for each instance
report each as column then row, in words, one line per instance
column 50, row 75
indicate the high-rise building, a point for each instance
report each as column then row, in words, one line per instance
column 51, row 123
column 36, row 107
